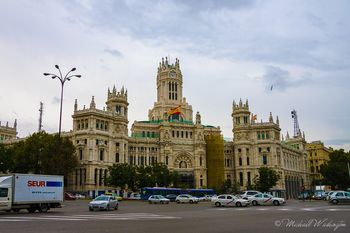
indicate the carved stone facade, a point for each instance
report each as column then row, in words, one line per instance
column 7, row 132
column 168, row 136
column 259, row 144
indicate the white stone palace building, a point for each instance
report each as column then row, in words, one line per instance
column 170, row 135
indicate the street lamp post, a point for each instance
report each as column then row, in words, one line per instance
column 62, row 79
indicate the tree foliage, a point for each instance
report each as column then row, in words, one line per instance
column 6, row 159
column 136, row 177
column 44, row 153
column 267, row 179
column 335, row 171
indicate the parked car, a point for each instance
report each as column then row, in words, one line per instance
column 329, row 195
column 135, row 196
column 339, row 197
column 79, row 196
column 229, row 200
column 171, row 197
column 118, row 198
column 186, row 198
column 318, row 195
column 248, row 193
column 68, row 196
column 104, row 202
column 266, row 199
column 158, row 199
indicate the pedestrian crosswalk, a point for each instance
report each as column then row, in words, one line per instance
column 86, row 217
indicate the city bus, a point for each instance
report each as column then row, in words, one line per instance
column 148, row 191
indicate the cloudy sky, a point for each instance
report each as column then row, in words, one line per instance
column 280, row 55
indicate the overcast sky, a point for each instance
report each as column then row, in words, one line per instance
column 227, row 49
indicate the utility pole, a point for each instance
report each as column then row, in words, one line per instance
column 41, row 110
column 296, row 123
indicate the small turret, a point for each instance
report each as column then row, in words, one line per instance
column 76, row 105
column 198, row 119
column 287, row 136
column 277, row 121
column 303, row 134
column 282, row 138
column 92, row 103
column 271, row 118
column 15, row 124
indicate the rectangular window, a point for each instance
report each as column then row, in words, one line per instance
column 262, row 135
column 240, row 161
column 248, row 161
column 101, row 155
column 177, row 134
column 186, row 134
column 117, row 157
column 249, row 179
column 267, row 135
column 80, row 154
column 258, row 135
column 241, row 178
column 264, row 159
column 3, row 192
column 182, row 134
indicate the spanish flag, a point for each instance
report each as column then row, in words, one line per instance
column 174, row 111
column 254, row 117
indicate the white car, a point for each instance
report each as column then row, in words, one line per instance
column 186, row 198
column 155, row 199
column 266, row 199
column 229, row 200
column 248, row 193
column 103, row 203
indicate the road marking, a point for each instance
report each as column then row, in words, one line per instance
column 116, row 217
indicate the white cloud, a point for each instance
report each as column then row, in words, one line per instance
column 224, row 47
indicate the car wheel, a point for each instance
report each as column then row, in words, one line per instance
column 90, row 209
column 275, row 202
column 108, row 208
column 255, row 203
column 178, row 201
column 238, row 204
column 43, row 208
column 191, row 202
column 217, row 204
column 116, row 207
column 335, row 202
column 31, row 209
column 161, row 202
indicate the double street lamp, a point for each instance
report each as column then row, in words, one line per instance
column 62, row 79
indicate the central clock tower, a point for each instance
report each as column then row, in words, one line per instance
column 169, row 92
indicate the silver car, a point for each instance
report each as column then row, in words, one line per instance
column 104, row 203
column 158, row 199
column 229, row 200
column 186, row 198
column 265, row 199
column 340, row 197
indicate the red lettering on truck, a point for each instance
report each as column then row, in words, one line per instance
column 35, row 183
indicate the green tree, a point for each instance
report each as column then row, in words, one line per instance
column 44, row 153
column 161, row 175
column 267, row 179
column 6, row 159
column 226, row 187
column 335, row 171
column 145, row 177
column 122, row 175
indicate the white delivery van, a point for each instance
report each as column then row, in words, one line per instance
column 31, row 192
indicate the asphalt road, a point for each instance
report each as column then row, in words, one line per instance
column 139, row 216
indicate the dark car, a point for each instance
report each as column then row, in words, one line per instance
column 171, row 197
column 69, row 196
